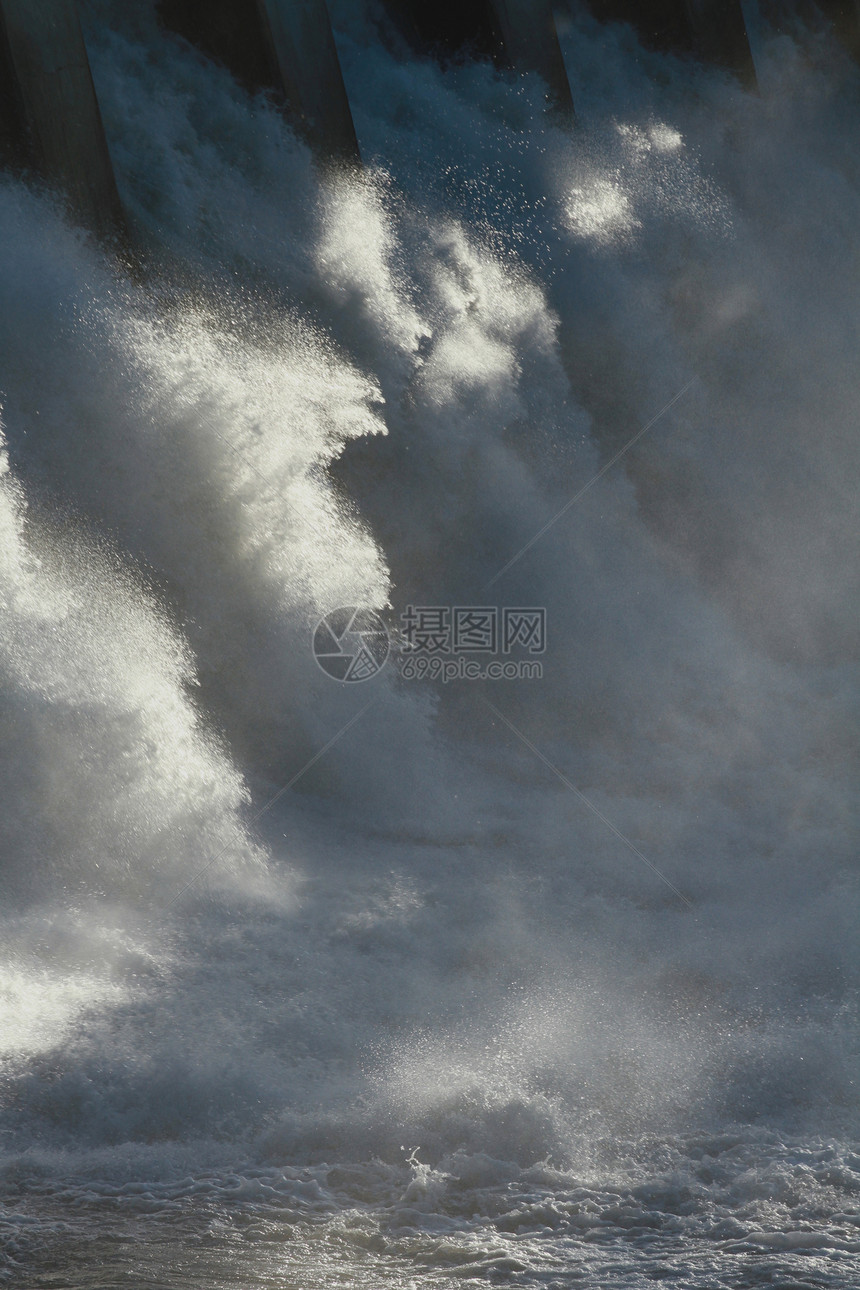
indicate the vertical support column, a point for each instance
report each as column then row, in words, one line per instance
column 285, row 46
column 301, row 36
column 50, row 114
column 527, row 28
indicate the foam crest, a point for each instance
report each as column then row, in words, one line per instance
column 118, row 788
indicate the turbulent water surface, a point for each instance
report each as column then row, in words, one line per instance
column 548, row 981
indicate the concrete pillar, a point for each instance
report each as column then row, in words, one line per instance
column 307, row 56
column 49, row 115
column 284, row 46
column 527, row 28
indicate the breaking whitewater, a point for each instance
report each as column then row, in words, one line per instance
column 547, row 980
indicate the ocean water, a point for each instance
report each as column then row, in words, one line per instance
column 543, row 981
